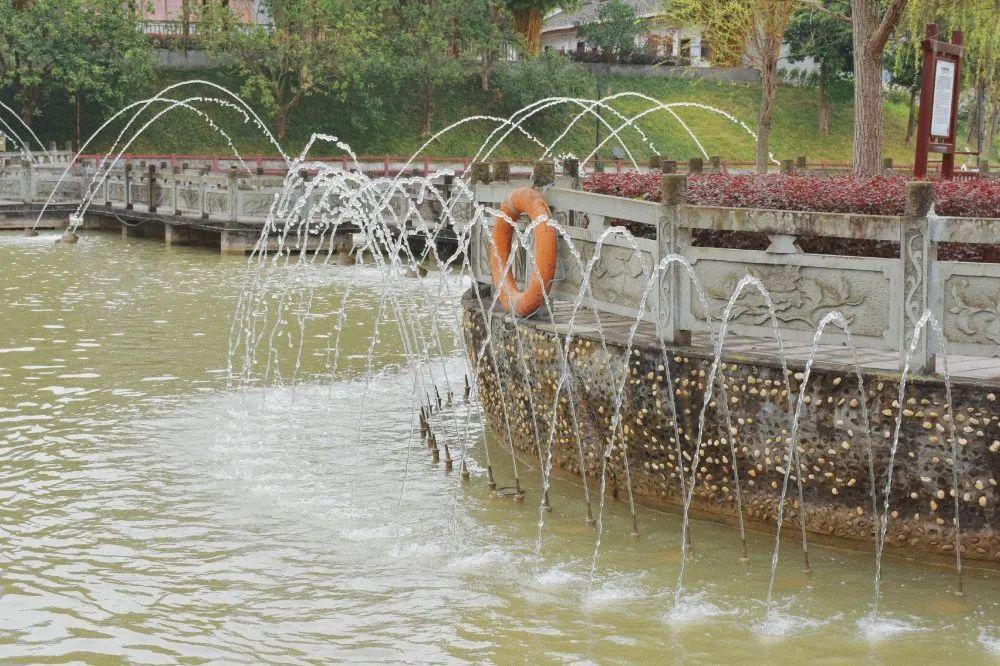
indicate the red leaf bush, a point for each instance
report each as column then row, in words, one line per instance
column 978, row 197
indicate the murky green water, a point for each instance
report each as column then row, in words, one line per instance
column 148, row 514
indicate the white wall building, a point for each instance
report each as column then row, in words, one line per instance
column 560, row 32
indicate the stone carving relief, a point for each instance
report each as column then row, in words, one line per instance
column 116, row 192
column 10, row 187
column 257, row 204
column 974, row 310
column 139, row 194
column 217, row 202
column 67, row 190
column 800, row 296
column 619, row 276
column 913, row 267
column 189, row 198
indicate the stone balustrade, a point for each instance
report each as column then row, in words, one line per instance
column 882, row 298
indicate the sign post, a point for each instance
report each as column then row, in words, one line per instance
column 941, row 78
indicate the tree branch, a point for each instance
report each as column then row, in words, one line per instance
column 881, row 35
column 817, row 5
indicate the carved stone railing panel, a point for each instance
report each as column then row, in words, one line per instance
column 803, row 288
column 618, row 278
column 116, row 193
column 10, row 189
column 968, row 304
column 68, row 190
column 217, row 203
column 189, row 198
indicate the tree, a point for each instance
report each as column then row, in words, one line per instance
column 753, row 27
column 490, row 31
column 872, row 26
column 615, row 30
column 826, row 39
column 84, row 49
column 529, row 16
column 427, row 50
column 308, row 47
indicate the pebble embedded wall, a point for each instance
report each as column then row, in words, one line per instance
column 832, row 441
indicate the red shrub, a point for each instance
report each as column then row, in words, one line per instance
column 979, row 197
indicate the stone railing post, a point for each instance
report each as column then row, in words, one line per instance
column 479, row 172
column 153, row 195
column 671, row 238
column 501, row 171
column 571, row 167
column 801, row 164
column 543, row 173
column 786, row 167
column 696, row 165
column 668, row 166
column 232, row 196
column 918, row 252
column 27, row 174
column 203, row 192
column 128, row 186
column 984, row 167
column 715, row 164
column 654, row 162
column 887, row 166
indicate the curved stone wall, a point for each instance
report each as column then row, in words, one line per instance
column 833, row 445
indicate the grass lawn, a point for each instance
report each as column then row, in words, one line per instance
column 392, row 128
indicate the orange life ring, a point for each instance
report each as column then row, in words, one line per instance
column 522, row 304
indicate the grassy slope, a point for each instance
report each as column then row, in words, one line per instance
column 395, row 129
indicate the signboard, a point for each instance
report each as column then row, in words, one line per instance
column 944, row 86
column 940, row 79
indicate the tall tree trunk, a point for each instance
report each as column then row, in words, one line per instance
column 765, row 116
column 975, row 111
column 992, row 126
column 823, row 116
column 528, row 23
column 28, row 95
column 484, row 72
column 868, row 122
column 981, row 115
column 281, row 121
column 911, row 117
column 428, row 113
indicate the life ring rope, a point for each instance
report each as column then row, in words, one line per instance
column 527, row 302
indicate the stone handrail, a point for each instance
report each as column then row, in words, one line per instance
column 233, row 197
column 882, row 298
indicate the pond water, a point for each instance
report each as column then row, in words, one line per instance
column 152, row 513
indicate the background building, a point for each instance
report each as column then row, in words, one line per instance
column 657, row 39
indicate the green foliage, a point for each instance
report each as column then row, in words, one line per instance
column 549, row 75
column 615, row 30
column 727, row 24
column 978, row 19
column 905, row 66
column 426, row 51
column 89, row 49
column 826, row 39
column 308, row 47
